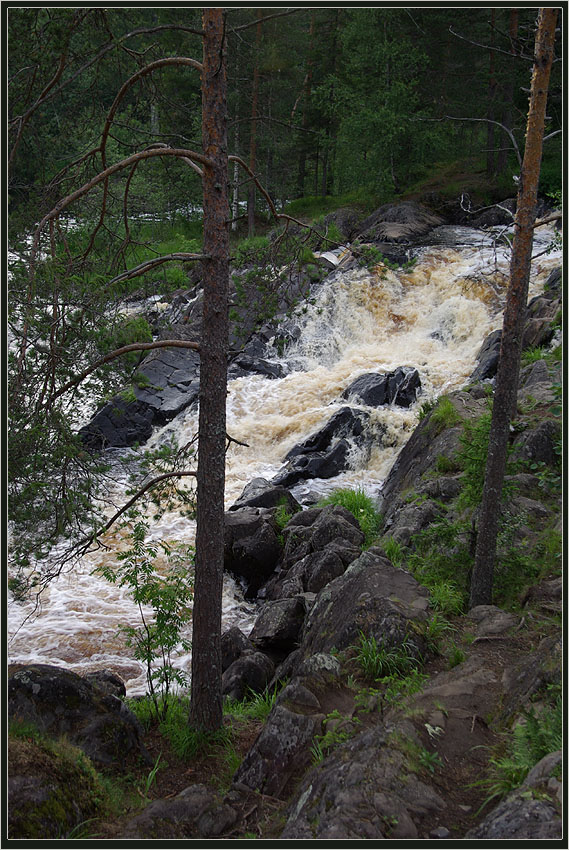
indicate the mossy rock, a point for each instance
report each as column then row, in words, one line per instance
column 52, row 789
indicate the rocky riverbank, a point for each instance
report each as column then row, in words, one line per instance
column 395, row 705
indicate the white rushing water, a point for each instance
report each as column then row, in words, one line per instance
column 433, row 317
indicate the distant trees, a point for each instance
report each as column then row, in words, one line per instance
column 505, row 394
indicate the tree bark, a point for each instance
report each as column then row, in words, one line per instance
column 206, row 697
column 505, row 395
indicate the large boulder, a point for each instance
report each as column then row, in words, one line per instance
column 168, row 383
column 52, row 789
column 59, row 702
column 252, row 546
column 399, row 387
column 374, row 598
column 520, row 816
column 488, row 357
column 281, row 752
column 260, row 493
column 252, row 671
column 398, row 222
column 196, row 812
column 325, row 453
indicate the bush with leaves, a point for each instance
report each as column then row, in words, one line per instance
column 168, row 594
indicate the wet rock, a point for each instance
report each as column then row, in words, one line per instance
column 520, row 817
column 252, row 546
column 196, row 812
column 375, row 389
column 245, row 364
column 488, row 357
column 60, row 702
column 260, row 493
column 252, row 671
column 325, row 453
column 233, row 644
column 171, row 384
column 553, row 282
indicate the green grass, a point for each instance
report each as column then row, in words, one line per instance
column 444, row 415
column 377, row 662
column 362, row 507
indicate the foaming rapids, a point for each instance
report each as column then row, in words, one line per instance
column 433, row 317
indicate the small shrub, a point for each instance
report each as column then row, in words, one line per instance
column 455, row 656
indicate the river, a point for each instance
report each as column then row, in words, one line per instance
column 433, row 316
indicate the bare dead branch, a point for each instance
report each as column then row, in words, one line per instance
column 554, row 216
column 265, row 18
column 148, row 265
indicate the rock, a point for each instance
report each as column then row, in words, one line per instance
column 541, row 772
column 171, row 383
column 281, row 753
column 233, row 644
column 245, row 364
column 252, row 547
column 502, row 213
column 277, row 628
column 399, row 387
column 553, row 283
column 548, row 594
column 260, row 493
column 491, row 620
column 523, row 679
column 107, row 682
column 439, row 832
column 59, row 702
column 119, row 423
column 535, row 373
column 51, row 791
column 325, row 453
column 320, row 528
column 372, row 597
column 363, row 789
column 196, row 812
column 252, row 671
column 422, row 449
column 488, row 357
column 411, row 519
column 397, row 222
column 345, row 219
column 520, row 817
column 539, row 444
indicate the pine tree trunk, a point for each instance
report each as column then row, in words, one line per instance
column 505, row 394
column 206, row 697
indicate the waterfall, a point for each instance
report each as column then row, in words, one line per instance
column 433, row 316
